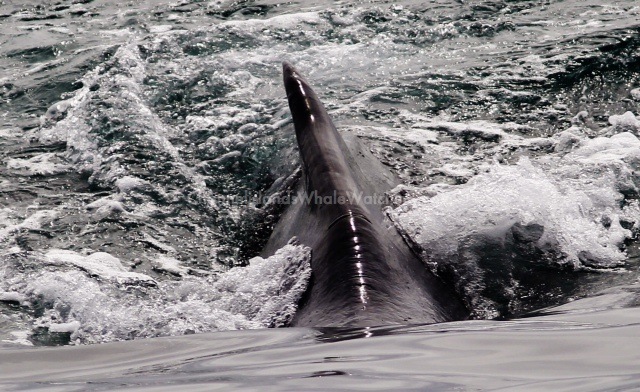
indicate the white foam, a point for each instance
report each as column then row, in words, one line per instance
column 123, row 86
column 146, row 237
column 607, row 149
column 56, row 112
column 280, row 22
column 106, row 206
column 70, row 327
column 170, row 265
column 9, row 132
column 493, row 202
column 13, row 297
column 265, row 293
column 566, row 141
column 99, row 264
column 19, row 337
column 626, row 121
column 43, row 164
column 481, row 129
column 268, row 290
column 460, row 171
column 128, row 184
column 416, row 134
column 580, row 194
column 157, row 29
column 62, row 30
column 34, row 221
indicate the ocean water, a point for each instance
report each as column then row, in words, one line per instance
column 144, row 146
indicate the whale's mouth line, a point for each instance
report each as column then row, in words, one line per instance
column 348, row 215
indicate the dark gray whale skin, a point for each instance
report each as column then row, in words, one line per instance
column 363, row 273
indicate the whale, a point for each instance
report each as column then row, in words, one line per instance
column 363, row 272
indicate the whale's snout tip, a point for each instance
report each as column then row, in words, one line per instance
column 287, row 69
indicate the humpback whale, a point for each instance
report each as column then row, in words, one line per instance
column 363, row 273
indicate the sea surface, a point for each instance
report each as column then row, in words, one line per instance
column 146, row 148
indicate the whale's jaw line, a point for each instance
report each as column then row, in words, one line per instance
column 363, row 274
